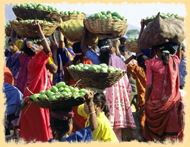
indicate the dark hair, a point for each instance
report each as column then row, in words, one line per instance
column 105, row 52
column 165, row 58
column 9, row 40
column 19, row 37
column 104, row 56
column 60, row 127
column 141, row 61
column 77, row 49
column 99, row 97
column 122, row 40
column 27, row 50
column 105, row 42
column 114, row 42
column 183, row 48
column 122, row 48
column 169, row 47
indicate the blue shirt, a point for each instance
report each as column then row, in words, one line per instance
column 93, row 57
column 13, row 98
column 83, row 135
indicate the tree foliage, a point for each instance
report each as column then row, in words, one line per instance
column 132, row 32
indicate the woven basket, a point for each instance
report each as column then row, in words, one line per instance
column 60, row 103
column 98, row 80
column 23, row 29
column 132, row 46
column 73, row 16
column 149, row 20
column 112, row 36
column 105, row 26
column 24, row 14
column 8, row 31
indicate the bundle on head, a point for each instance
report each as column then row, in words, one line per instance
column 105, row 50
column 160, row 31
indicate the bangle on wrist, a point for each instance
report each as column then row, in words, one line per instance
column 90, row 105
column 92, row 112
column 43, row 39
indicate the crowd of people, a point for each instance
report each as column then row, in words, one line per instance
column 151, row 88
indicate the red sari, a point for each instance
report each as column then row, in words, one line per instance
column 164, row 109
column 78, row 120
column 35, row 123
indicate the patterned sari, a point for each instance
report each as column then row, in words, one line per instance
column 117, row 99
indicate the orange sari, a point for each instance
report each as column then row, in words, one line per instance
column 139, row 75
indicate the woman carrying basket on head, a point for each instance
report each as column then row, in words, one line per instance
column 78, row 120
column 117, row 96
column 35, row 121
column 163, row 103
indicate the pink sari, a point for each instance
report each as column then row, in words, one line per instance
column 117, row 98
column 164, row 110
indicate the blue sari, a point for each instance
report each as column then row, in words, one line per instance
column 63, row 56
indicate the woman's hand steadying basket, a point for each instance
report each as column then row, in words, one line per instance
column 89, row 98
column 53, row 46
column 35, row 25
column 142, row 23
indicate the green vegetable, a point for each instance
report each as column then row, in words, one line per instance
column 35, row 96
column 91, row 16
column 103, row 69
column 103, row 17
column 97, row 15
column 60, row 84
column 66, row 90
column 109, row 16
column 52, row 97
column 103, row 13
column 109, row 12
column 43, row 97
column 78, row 67
column 92, row 68
column 42, row 92
column 103, row 65
column 54, row 89
column 61, row 89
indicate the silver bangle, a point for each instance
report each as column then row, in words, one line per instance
column 43, row 39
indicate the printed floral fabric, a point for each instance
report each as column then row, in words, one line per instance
column 117, row 98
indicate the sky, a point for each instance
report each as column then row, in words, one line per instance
column 133, row 12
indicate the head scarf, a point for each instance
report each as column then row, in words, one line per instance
column 62, row 114
column 105, row 46
column 32, row 44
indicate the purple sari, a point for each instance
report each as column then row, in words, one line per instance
column 13, row 63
